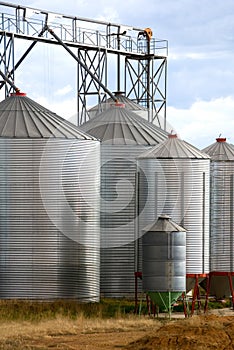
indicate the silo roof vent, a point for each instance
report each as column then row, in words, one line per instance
column 221, row 139
column 118, row 104
column 18, row 93
column 172, row 136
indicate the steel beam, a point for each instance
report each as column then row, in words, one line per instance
column 144, row 79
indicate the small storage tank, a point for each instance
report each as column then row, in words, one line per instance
column 221, row 214
column 49, row 205
column 175, row 177
column 164, row 261
column 124, row 136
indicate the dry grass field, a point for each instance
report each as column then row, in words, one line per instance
column 27, row 326
column 62, row 333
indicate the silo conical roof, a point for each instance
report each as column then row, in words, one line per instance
column 120, row 126
column 129, row 104
column 220, row 150
column 21, row 117
column 174, row 148
column 164, row 224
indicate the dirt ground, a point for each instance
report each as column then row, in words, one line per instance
column 212, row 331
column 209, row 332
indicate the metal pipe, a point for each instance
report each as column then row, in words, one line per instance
column 208, row 283
column 82, row 64
column 165, row 113
column 9, row 81
column 137, row 235
column 118, row 60
column 148, row 72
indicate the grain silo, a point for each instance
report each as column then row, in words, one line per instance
column 164, row 262
column 174, row 180
column 49, row 205
column 221, row 217
column 124, row 136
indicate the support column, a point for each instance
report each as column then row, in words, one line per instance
column 7, row 57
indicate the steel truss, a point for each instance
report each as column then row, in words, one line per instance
column 7, row 61
column 148, row 86
column 140, row 66
column 96, row 62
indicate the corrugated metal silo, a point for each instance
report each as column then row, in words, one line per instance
column 124, row 136
column 221, row 208
column 49, row 205
column 175, row 176
column 164, row 261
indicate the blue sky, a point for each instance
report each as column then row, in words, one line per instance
column 200, row 91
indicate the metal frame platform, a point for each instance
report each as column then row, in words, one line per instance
column 140, row 63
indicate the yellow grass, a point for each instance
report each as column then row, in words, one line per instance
column 60, row 325
column 95, row 333
column 65, row 326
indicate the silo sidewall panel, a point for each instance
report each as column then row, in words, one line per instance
column 179, row 188
column 118, row 218
column 50, row 236
column 221, row 226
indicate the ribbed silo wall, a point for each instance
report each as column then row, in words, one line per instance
column 49, row 219
column 179, row 188
column 118, row 218
column 222, row 225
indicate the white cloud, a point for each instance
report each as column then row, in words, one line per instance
column 110, row 14
column 66, row 109
column 193, row 56
column 63, row 91
column 176, row 54
column 204, row 121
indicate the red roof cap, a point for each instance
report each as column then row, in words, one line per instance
column 118, row 104
column 172, row 136
column 221, row 139
column 18, row 93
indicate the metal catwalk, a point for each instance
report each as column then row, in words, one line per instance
column 140, row 67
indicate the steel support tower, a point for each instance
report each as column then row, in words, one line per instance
column 140, row 61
